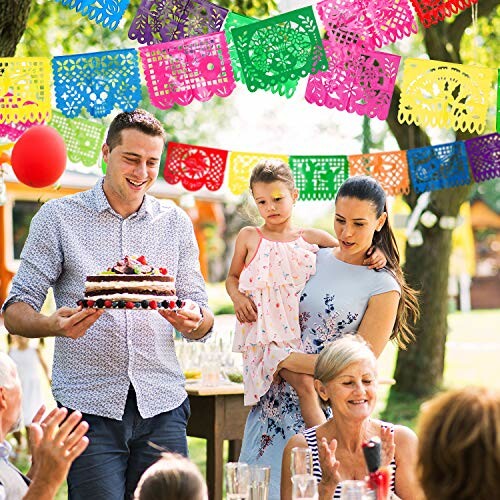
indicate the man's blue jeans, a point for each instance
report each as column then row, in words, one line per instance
column 118, row 452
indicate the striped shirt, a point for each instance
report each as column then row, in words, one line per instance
column 312, row 443
column 80, row 235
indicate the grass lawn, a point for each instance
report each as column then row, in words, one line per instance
column 472, row 354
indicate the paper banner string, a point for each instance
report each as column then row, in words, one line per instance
column 105, row 12
column 160, row 21
column 356, row 82
column 432, row 11
column 236, row 21
column 484, row 156
column 195, row 166
column 194, row 68
column 241, row 165
column 24, row 89
column 83, row 138
column 446, row 95
column 438, row 167
column 390, row 169
column 366, row 24
column 279, row 49
column 318, row 177
column 97, row 81
column 13, row 131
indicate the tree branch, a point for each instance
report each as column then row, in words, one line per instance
column 12, row 25
column 461, row 22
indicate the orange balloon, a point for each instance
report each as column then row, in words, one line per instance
column 39, row 156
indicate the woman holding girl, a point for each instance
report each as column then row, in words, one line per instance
column 270, row 267
column 342, row 297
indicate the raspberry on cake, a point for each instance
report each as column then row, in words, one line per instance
column 131, row 284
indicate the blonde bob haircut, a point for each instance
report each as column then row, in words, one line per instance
column 338, row 355
column 459, row 445
column 172, row 477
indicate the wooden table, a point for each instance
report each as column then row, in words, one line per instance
column 217, row 413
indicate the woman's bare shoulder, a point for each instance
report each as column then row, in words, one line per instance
column 406, row 441
column 296, row 440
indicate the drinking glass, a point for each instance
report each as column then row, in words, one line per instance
column 259, row 482
column 237, row 481
column 301, row 461
column 304, row 487
column 352, row 490
column 210, row 370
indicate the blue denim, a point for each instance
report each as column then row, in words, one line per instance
column 119, row 451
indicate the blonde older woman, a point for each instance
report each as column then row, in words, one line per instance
column 346, row 380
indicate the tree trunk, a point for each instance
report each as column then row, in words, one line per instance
column 419, row 370
column 13, row 21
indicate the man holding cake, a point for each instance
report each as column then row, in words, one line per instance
column 114, row 358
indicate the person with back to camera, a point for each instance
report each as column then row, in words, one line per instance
column 344, row 296
column 173, row 477
column 269, row 269
column 459, row 445
column 345, row 378
column 118, row 367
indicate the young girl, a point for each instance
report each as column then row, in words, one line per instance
column 270, row 267
column 28, row 359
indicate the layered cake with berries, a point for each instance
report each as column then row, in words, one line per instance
column 131, row 284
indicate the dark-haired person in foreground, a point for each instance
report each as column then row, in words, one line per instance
column 119, row 368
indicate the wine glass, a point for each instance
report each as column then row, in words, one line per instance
column 304, row 487
column 301, row 461
column 237, row 481
column 352, row 490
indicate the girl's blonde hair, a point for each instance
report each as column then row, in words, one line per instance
column 459, row 445
column 173, row 477
column 339, row 354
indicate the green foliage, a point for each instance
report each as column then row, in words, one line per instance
column 482, row 47
column 489, row 192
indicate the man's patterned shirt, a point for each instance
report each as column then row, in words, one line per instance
column 80, row 235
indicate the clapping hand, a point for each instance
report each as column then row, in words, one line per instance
column 388, row 448
column 330, row 468
column 56, row 441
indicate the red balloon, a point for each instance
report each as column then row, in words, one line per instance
column 39, row 156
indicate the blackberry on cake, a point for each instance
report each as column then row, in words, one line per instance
column 131, row 284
